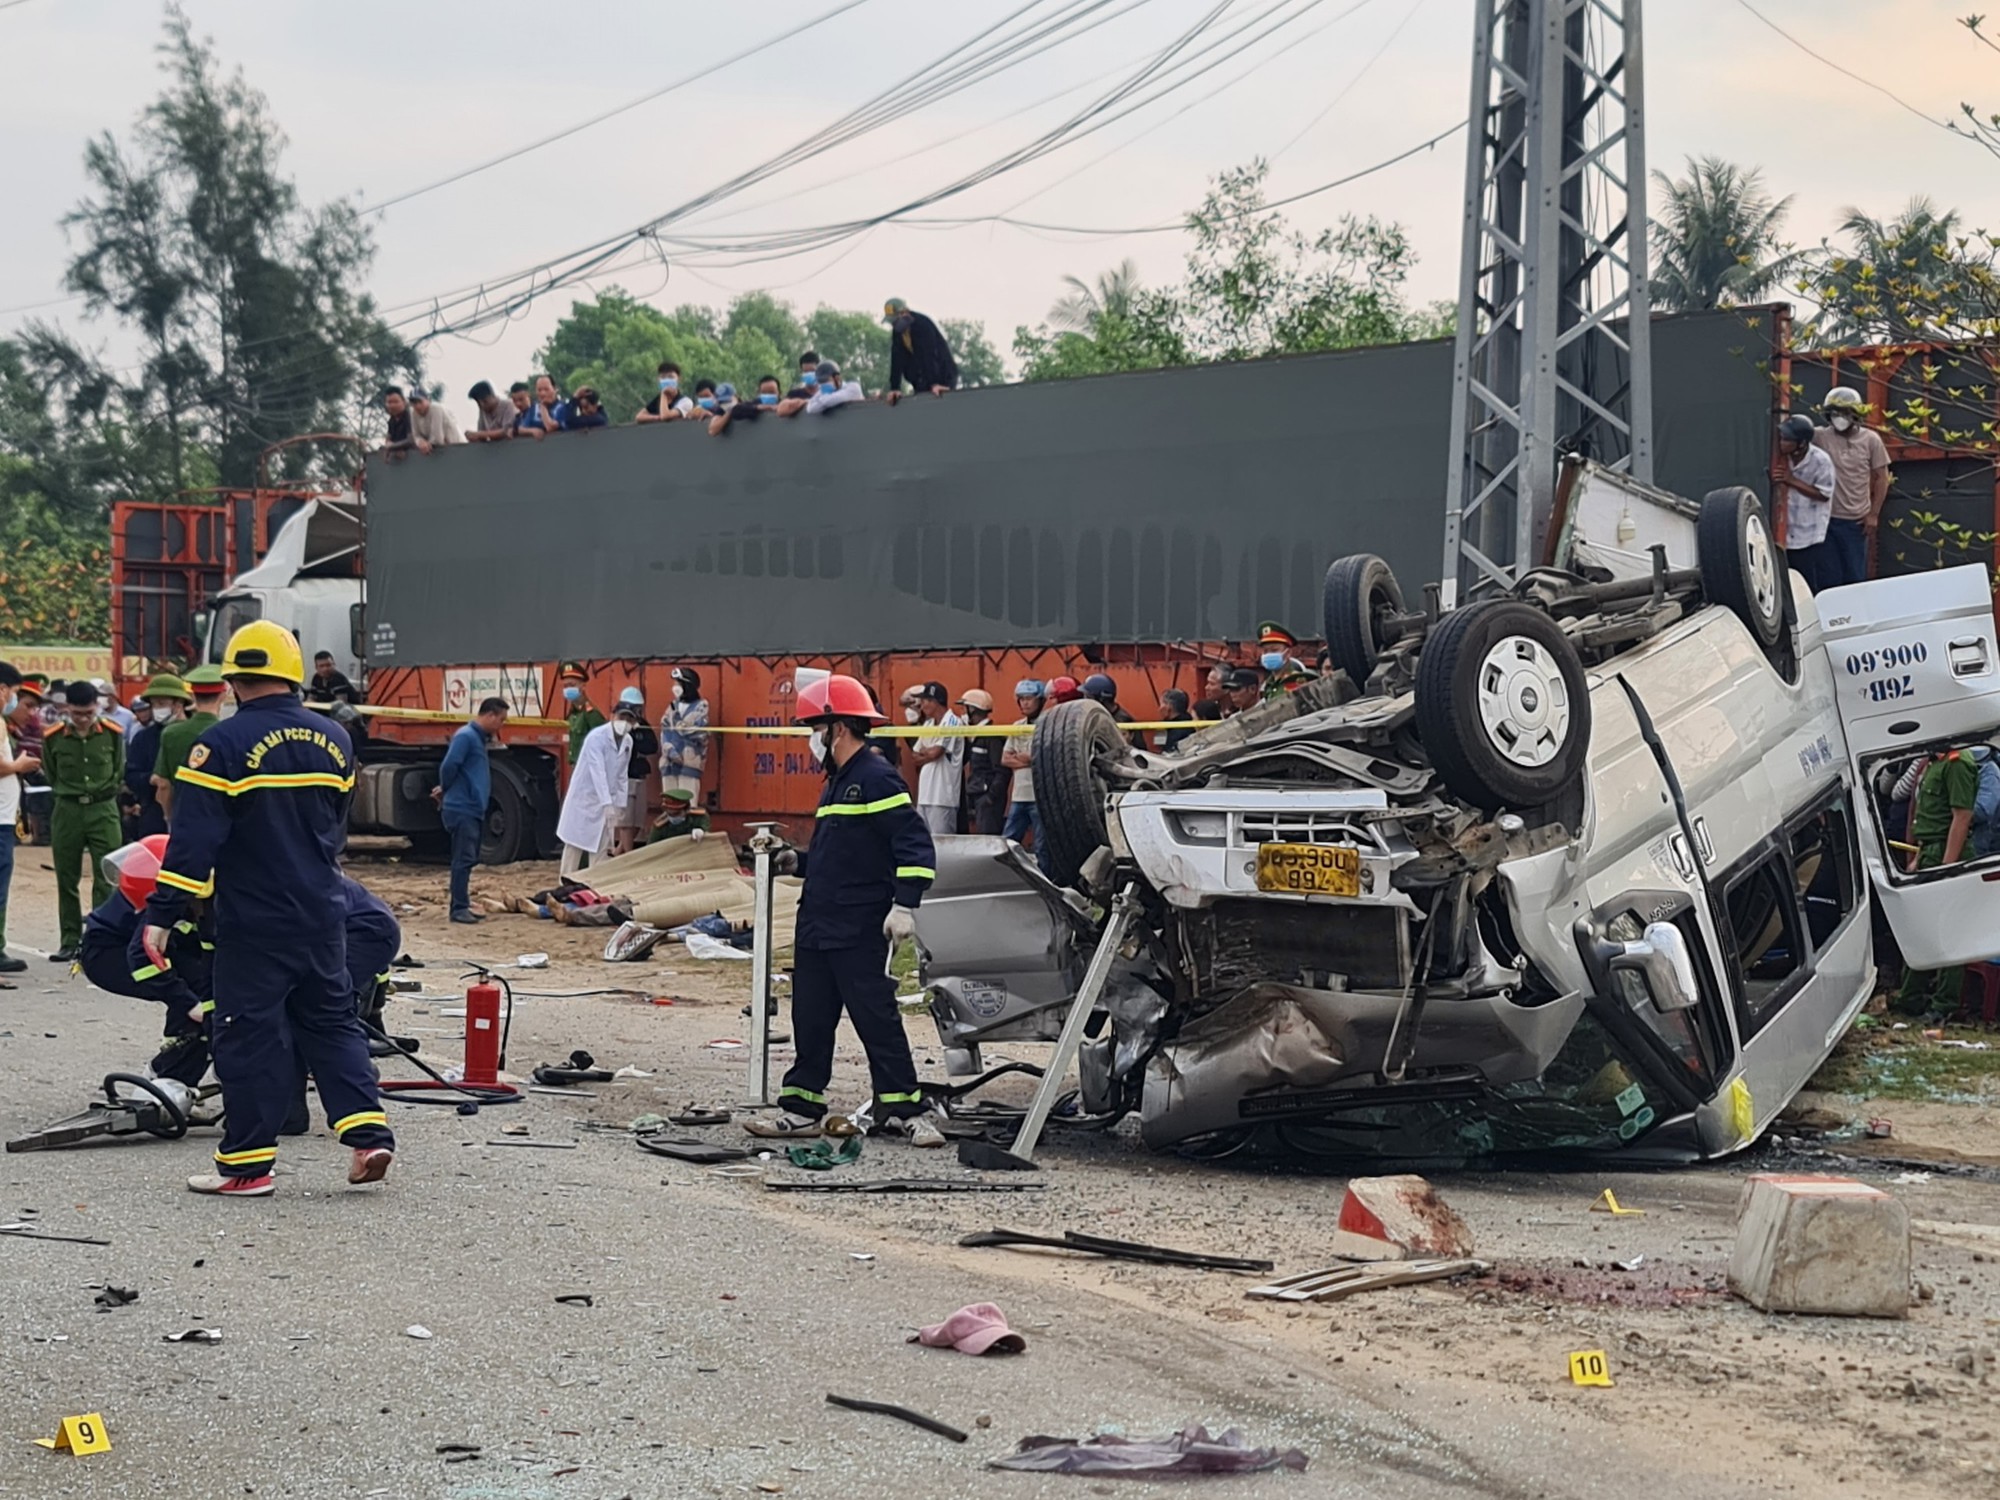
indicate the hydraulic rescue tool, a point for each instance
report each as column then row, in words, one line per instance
column 132, row 1105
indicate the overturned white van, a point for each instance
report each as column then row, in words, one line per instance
column 1588, row 867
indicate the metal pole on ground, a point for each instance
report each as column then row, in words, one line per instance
column 762, row 846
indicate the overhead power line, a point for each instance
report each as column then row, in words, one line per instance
column 1826, row 61
column 598, row 119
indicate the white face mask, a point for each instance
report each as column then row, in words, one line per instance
column 677, row 692
column 817, row 744
column 1842, row 423
column 913, row 716
column 620, row 728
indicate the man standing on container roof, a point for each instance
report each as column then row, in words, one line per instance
column 259, row 824
column 918, row 353
column 870, row 863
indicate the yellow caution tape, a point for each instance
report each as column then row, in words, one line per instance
column 775, row 731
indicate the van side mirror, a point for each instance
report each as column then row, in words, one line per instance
column 1661, row 960
column 198, row 623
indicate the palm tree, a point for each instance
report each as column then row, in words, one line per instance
column 1715, row 242
column 1890, row 281
column 1080, row 309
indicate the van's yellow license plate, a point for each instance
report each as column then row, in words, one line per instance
column 1309, row 869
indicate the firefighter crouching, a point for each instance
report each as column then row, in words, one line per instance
column 870, row 862
column 259, row 819
column 113, row 957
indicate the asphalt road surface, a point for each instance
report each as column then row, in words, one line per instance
column 722, row 1314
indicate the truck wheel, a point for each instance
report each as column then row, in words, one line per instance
column 1360, row 594
column 1070, row 740
column 1742, row 567
column 1502, row 706
column 507, row 824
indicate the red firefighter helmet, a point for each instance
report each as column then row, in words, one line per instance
column 837, row 697
column 137, row 867
column 1064, row 690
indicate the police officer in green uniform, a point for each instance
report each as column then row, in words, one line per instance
column 178, row 738
column 1941, row 828
column 680, row 818
column 583, row 714
column 1283, row 672
column 84, row 760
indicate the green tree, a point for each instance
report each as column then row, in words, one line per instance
column 246, row 303
column 1715, row 241
column 1897, row 280
column 1254, row 286
column 979, row 363
column 1086, row 304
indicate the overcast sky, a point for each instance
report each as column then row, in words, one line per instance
column 388, row 98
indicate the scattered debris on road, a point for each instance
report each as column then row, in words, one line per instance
column 901, row 1413
column 1089, row 1244
column 1189, row 1451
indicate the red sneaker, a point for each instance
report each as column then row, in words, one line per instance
column 371, row 1164
column 231, row 1187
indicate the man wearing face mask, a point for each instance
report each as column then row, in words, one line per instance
column 583, row 714
column 1860, row 485
column 870, row 863
column 684, row 735
column 669, row 405
column 85, row 760
column 598, row 785
column 1283, row 672
column 986, row 779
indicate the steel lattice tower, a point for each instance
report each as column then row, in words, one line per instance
column 1553, row 303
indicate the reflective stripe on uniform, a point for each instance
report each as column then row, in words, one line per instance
column 207, row 1007
column 254, row 783
column 360, row 1117
column 188, row 883
column 151, row 971
column 861, row 809
column 916, row 1098
column 789, row 1092
column 247, row 1158
column 915, row 872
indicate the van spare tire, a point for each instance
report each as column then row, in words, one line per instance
column 1742, row 567
column 1502, row 706
column 1359, row 597
column 1071, row 741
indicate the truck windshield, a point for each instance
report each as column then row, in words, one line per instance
column 231, row 615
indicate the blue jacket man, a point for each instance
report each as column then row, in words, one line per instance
column 259, row 820
column 465, row 786
column 870, row 862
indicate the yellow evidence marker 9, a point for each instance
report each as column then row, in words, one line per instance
column 80, row 1435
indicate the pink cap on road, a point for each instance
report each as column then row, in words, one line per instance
column 978, row 1329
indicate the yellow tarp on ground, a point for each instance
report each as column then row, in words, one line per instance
column 677, row 880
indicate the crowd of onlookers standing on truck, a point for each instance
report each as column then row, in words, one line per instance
column 531, row 410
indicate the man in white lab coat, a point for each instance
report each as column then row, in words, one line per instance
column 598, row 784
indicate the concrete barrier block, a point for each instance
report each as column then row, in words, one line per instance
column 1814, row 1244
column 1397, row 1218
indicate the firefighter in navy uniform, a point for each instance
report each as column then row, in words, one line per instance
column 258, row 821
column 870, row 862
column 113, row 957
column 373, row 938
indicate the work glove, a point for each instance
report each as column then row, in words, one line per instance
column 154, row 941
column 785, row 861
column 900, row 925
column 697, row 834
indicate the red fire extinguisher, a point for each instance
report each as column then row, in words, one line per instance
column 482, row 1032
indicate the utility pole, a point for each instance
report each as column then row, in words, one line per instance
column 1554, row 254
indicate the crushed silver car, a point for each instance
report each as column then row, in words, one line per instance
column 1579, row 868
